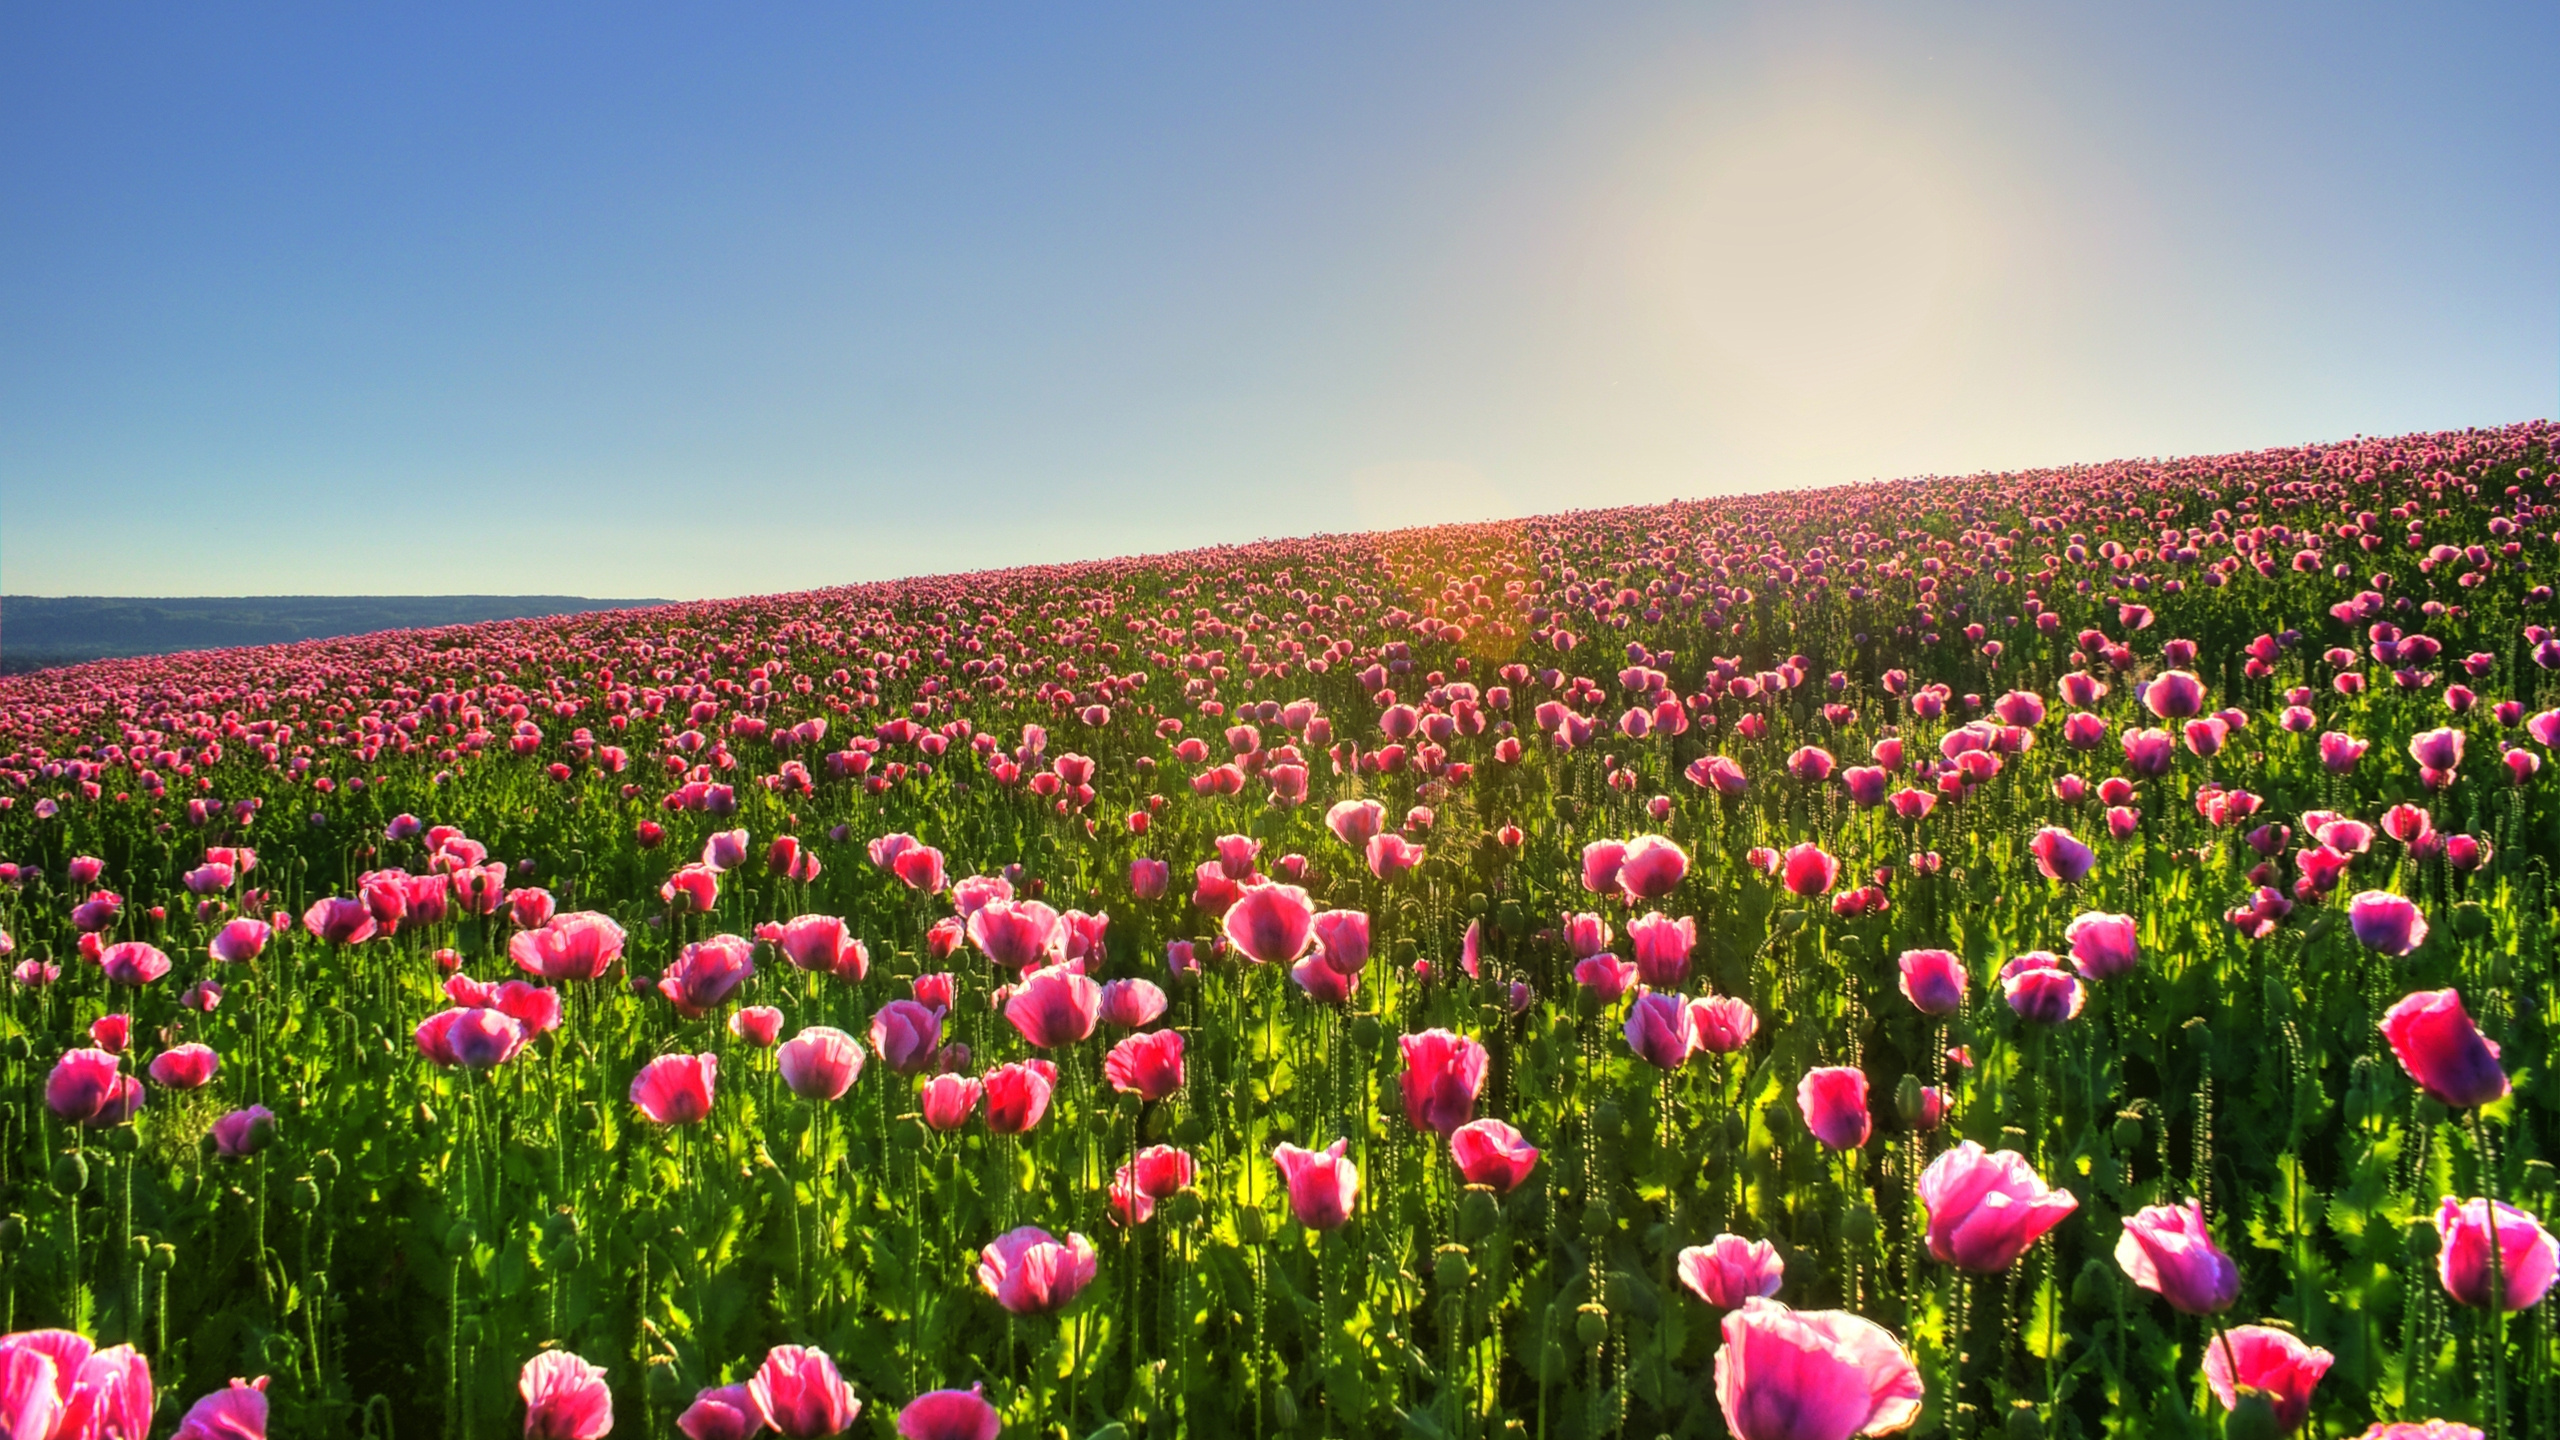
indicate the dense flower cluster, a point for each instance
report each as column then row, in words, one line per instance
column 1815, row 959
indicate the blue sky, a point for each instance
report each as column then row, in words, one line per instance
column 680, row 301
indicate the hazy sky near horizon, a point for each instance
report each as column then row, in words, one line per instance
column 679, row 300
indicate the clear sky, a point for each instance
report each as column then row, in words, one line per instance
column 639, row 299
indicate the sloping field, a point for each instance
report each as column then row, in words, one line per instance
column 2062, row 953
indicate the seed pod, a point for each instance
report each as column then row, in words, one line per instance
column 1366, row 1032
column 1478, row 1214
column 2423, row 1244
column 164, row 1258
column 306, row 1194
column 324, row 1164
column 2094, row 1288
column 1591, row 1324
column 1596, row 1219
column 460, row 1238
column 2253, row 1418
column 559, row 1231
column 2127, row 1132
column 2470, row 920
column 2023, row 1422
column 1250, row 1227
column 1451, row 1269
column 70, row 1173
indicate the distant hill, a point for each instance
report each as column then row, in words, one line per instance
column 38, row 633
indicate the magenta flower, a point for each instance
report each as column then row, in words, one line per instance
column 237, row 1411
column 1018, row 935
column 1724, row 1023
column 1129, row 1003
column 798, row 1392
column 694, row 888
column 1662, row 945
column 1031, row 1272
column 1148, row 1066
column 706, row 973
column 1492, row 1154
column 758, row 1025
column 1660, row 1028
column 244, row 1133
column 2060, row 855
column 1443, row 1074
column 1053, row 1007
column 1601, row 862
column 2103, row 945
column 1650, row 868
column 2040, row 990
column 1986, row 1208
column 906, row 1034
column 239, row 941
column 1809, row 870
column 133, row 963
column 185, row 1067
column 1833, row 1100
column 946, row 1101
column 1933, row 981
column 2443, row 1051
column 2174, row 695
column 820, row 944
column 1271, row 924
column 819, row 1063
column 1391, row 855
column 2386, row 923
column 920, row 869
column 1812, row 1375
column 676, row 1089
column 1148, row 880
column 1729, row 1270
column 725, row 1413
column 2339, row 752
column 2528, row 1256
column 1342, row 939
column 1605, row 976
column 950, row 1415
column 1322, row 983
column 1324, row 1186
column 2271, row 1361
column 2166, row 1250
column 1356, row 822
column 89, row 1088
column 575, row 945
column 565, row 1398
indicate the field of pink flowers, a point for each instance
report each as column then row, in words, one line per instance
column 2049, row 954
